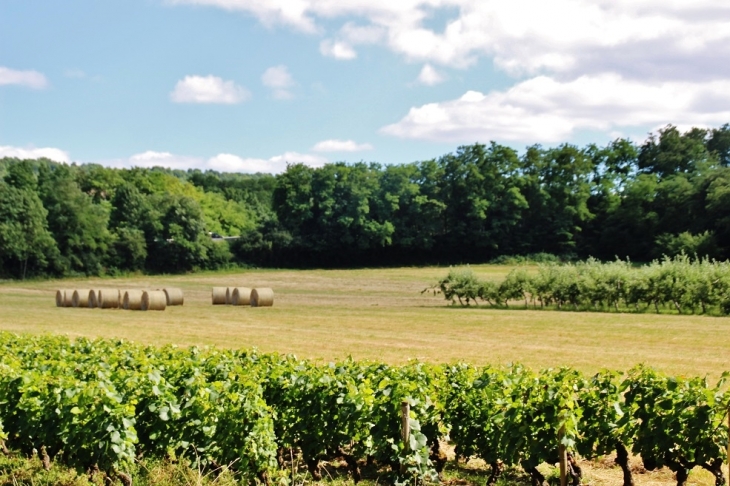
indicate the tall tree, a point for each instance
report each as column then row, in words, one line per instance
column 26, row 245
column 672, row 152
column 78, row 225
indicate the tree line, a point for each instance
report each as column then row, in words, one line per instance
column 667, row 195
column 678, row 284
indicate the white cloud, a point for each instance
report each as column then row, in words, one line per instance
column 269, row 12
column 277, row 77
column 543, row 109
column 334, row 145
column 279, row 80
column 34, row 153
column 151, row 158
column 222, row 162
column 521, row 36
column 674, row 53
column 208, row 89
column 430, row 76
column 337, row 49
column 274, row 165
column 362, row 34
column 29, row 79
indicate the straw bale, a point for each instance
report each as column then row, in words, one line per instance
column 218, row 295
column 108, row 299
column 262, row 297
column 229, row 295
column 64, row 298
column 93, row 299
column 174, row 296
column 80, row 298
column 241, row 296
column 132, row 300
column 154, row 300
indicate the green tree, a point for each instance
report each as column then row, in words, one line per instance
column 556, row 185
column 78, row 225
column 26, row 245
column 99, row 182
column 719, row 144
column 403, row 198
column 672, row 152
column 182, row 243
column 482, row 199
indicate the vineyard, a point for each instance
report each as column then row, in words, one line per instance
column 103, row 404
column 679, row 284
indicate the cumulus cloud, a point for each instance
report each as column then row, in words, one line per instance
column 151, row 158
column 29, row 79
column 337, row 49
column 520, row 35
column 334, row 145
column 647, row 46
column 545, row 110
column 274, row 165
column 430, row 76
column 223, row 162
column 279, row 80
column 34, row 153
column 271, row 12
column 208, row 89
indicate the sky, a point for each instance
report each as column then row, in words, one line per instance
column 252, row 85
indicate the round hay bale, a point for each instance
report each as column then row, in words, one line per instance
column 132, row 300
column 241, row 296
column 219, row 295
column 154, row 300
column 64, row 298
column 93, row 298
column 108, row 299
column 262, row 297
column 80, row 298
column 174, row 296
column 229, row 295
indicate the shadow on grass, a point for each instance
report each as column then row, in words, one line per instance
column 583, row 309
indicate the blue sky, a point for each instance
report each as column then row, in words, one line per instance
column 244, row 85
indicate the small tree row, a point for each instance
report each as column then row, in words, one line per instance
column 679, row 284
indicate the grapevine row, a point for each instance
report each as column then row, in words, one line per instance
column 680, row 284
column 104, row 403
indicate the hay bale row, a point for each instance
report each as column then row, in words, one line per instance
column 115, row 298
column 263, row 297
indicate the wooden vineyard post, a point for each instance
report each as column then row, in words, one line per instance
column 563, row 458
column 405, row 429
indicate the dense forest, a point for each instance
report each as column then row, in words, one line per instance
column 668, row 195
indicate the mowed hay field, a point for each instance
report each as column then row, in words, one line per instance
column 377, row 314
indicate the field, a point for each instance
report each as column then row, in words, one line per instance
column 378, row 314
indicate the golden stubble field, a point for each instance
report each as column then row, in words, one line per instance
column 378, row 314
